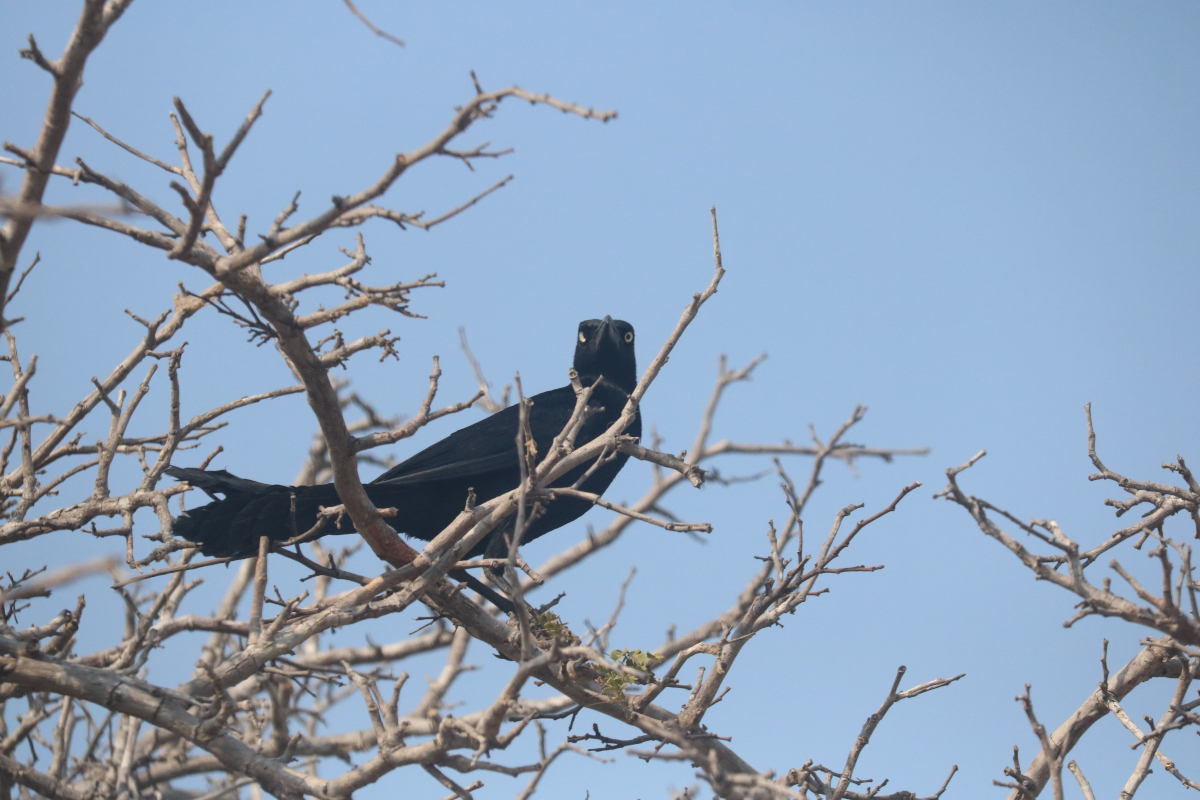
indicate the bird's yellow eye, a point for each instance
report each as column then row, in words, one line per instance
column 629, row 337
column 582, row 338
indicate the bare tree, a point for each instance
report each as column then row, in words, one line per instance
column 256, row 712
column 1171, row 610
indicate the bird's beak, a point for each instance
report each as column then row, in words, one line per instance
column 610, row 330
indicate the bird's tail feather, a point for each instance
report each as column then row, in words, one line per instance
column 232, row 526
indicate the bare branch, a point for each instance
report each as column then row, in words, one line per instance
column 67, row 73
column 375, row 30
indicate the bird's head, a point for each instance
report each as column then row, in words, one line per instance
column 604, row 347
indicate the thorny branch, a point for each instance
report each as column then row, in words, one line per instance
column 67, row 73
column 1171, row 610
column 258, row 704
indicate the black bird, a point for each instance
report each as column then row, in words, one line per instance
column 430, row 488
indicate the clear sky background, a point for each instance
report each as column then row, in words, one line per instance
column 973, row 218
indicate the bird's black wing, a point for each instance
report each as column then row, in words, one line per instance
column 488, row 445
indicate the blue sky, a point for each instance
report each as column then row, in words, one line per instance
column 973, row 218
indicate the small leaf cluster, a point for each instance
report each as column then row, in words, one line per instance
column 552, row 624
column 615, row 682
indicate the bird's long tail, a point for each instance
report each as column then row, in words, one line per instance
column 248, row 510
column 231, row 527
